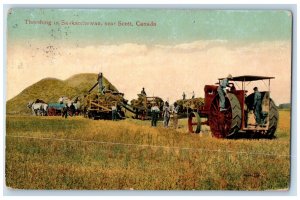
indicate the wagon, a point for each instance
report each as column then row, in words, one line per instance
column 55, row 109
column 99, row 106
column 187, row 106
column 142, row 106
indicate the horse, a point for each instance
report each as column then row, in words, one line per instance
column 66, row 101
column 38, row 108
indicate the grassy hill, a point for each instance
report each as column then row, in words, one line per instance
column 50, row 89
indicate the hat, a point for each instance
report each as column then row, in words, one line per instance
column 229, row 76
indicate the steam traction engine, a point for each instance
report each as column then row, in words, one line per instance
column 239, row 114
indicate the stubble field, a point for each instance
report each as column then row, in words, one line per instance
column 78, row 153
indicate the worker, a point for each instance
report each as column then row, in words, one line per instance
column 175, row 115
column 193, row 95
column 100, row 79
column 166, row 114
column 103, row 90
column 154, row 114
column 183, row 96
column 143, row 92
column 114, row 112
column 257, row 106
column 222, row 91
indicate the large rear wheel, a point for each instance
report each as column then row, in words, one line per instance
column 226, row 123
column 273, row 119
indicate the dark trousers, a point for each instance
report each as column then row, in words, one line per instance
column 257, row 113
column 222, row 97
column 154, row 118
column 114, row 115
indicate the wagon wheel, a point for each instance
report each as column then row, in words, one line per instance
column 226, row 123
column 194, row 122
column 273, row 119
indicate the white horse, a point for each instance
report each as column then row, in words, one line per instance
column 38, row 108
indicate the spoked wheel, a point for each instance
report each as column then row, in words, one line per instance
column 194, row 122
column 273, row 119
column 226, row 123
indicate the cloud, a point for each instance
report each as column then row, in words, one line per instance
column 164, row 71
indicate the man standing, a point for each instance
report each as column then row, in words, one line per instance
column 222, row 91
column 154, row 114
column 193, row 95
column 166, row 113
column 175, row 115
column 114, row 112
column 99, row 79
column 257, row 106
column 183, row 96
column 143, row 92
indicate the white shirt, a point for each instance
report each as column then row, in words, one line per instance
column 155, row 108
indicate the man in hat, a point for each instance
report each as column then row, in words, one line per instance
column 99, row 79
column 222, row 91
column 114, row 112
column 257, row 106
column 175, row 115
column 143, row 92
column 166, row 113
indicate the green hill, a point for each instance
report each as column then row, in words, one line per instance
column 50, row 89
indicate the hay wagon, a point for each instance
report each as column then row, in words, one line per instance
column 99, row 106
column 142, row 106
column 187, row 106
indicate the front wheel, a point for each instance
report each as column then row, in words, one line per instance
column 194, row 122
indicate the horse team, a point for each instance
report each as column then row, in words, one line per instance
column 41, row 108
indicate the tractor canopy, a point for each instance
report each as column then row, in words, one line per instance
column 246, row 79
column 249, row 78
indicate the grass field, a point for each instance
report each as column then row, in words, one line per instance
column 78, row 153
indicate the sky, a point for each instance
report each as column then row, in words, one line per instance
column 185, row 50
